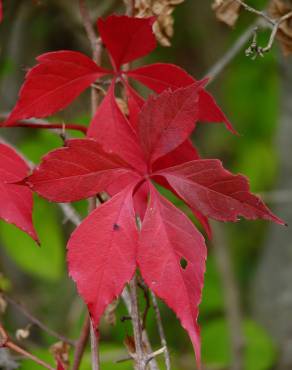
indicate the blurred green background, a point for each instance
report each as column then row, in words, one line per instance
column 251, row 94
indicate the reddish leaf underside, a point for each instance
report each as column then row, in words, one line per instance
column 78, row 171
column 16, row 200
column 102, row 252
column 161, row 76
column 54, row 83
column 215, row 192
column 126, row 38
column 168, row 240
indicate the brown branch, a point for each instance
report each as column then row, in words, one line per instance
column 161, row 332
column 87, row 23
column 50, row 126
column 232, row 301
column 94, row 339
column 5, row 342
column 96, row 47
column 260, row 13
column 36, row 321
column 145, row 290
column 81, row 344
column 139, row 356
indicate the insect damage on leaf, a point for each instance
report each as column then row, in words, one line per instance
column 116, row 227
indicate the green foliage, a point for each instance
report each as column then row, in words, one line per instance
column 213, row 298
column 47, row 261
column 260, row 352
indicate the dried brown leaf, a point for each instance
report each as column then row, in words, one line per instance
column 278, row 9
column 110, row 313
column 22, row 334
column 227, row 11
column 60, row 351
column 162, row 9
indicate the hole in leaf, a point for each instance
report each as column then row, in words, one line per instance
column 116, row 227
column 183, row 263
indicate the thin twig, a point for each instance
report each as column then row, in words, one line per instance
column 36, row 321
column 139, row 356
column 254, row 49
column 94, row 338
column 223, row 62
column 96, row 47
column 70, row 214
column 87, row 23
column 145, row 290
column 260, row 13
column 50, row 126
column 81, row 343
column 275, row 30
column 5, row 342
column 161, row 331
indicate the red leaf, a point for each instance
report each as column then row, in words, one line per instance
column 135, row 104
column 54, row 83
column 167, row 239
column 16, row 200
column 102, row 252
column 161, row 76
column 186, row 152
column 112, row 130
column 126, row 38
column 140, row 199
column 215, row 192
column 60, row 365
column 78, row 171
column 167, row 120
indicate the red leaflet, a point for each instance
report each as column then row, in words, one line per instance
column 112, row 130
column 80, row 170
column 60, row 366
column 217, row 193
column 51, row 85
column 61, row 76
column 184, row 153
column 1, row 11
column 167, row 120
column 102, row 252
column 168, row 240
column 16, row 200
column 161, row 76
column 127, row 38
column 135, row 104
